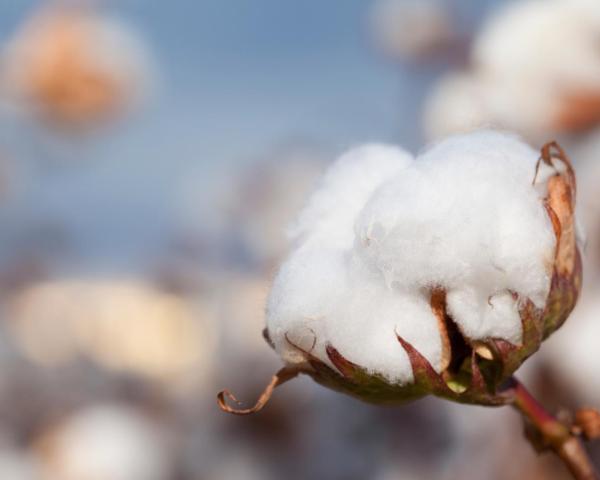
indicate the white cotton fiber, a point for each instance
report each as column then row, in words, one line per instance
column 380, row 235
column 549, row 41
column 345, row 188
column 465, row 215
column 535, row 69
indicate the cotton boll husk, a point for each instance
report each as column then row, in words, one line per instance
column 331, row 211
column 420, row 228
column 411, row 29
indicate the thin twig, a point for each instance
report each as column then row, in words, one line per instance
column 554, row 434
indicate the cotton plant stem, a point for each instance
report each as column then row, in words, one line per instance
column 554, row 434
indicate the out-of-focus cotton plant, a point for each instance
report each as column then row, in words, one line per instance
column 412, row 29
column 438, row 275
column 266, row 198
column 73, row 66
column 107, row 442
column 122, row 325
column 535, row 69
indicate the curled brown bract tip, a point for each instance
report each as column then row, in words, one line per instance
column 553, row 151
column 282, row 376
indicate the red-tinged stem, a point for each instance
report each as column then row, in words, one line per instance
column 554, row 434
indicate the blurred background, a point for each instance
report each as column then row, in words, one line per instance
column 152, row 154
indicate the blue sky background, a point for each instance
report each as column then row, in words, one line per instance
column 236, row 79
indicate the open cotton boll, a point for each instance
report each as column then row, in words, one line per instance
column 346, row 186
column 442, row 277
column 390, row 249
column 466, row 218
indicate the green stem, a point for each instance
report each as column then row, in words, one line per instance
column 554, row 434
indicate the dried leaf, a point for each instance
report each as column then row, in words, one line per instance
column 282, row 376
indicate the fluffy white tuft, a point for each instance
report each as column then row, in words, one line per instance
column 411, row 29
column 533, row 65
column 346, row 186
column 383, row 231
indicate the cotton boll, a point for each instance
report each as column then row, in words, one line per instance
column 411, row 29
column 331, row 210
column 463, row 233
column 420, row 228
column 73, row 66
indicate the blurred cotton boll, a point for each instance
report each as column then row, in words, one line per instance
column 535, row 69
column 105, row 442
column 252, row 206
column 411, row 29
column 122, row 325
column 457, row 104
column 73, row 66
column 242, row 316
